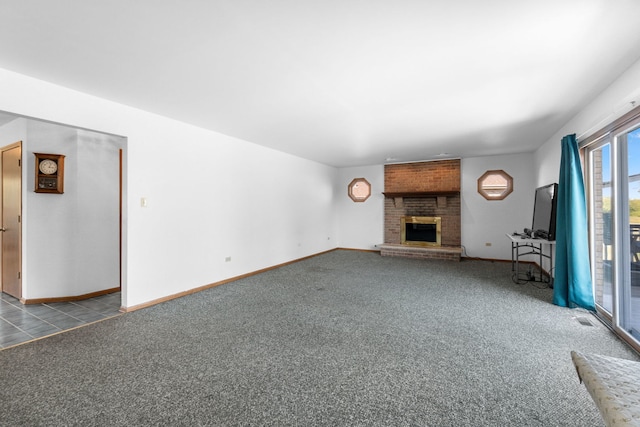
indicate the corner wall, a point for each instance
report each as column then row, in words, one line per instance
column 485, row 222
column 217, row 207
column 360, row 224
column 50, row 268
column 70, row 240
column 612, row 103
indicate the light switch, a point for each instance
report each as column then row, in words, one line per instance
column 143, row 202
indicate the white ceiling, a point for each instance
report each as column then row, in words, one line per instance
column 343, row 82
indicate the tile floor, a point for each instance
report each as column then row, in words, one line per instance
column 20, row 323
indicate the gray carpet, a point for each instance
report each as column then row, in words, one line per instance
column 344, row 338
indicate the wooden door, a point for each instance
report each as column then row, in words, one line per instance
column 11, row 219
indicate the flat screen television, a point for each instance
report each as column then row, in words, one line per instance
column 544, row 212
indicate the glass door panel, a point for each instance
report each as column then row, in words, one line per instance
column 629, row 301
column 602, row 245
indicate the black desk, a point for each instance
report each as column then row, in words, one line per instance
column 527, row 246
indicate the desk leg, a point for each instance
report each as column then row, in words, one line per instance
column 551, row 266
column 541, row 270
column 517, row 270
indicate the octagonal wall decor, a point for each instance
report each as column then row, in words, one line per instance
column 359, row 190
column 495, row 185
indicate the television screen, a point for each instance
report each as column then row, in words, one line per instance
column 544, row 212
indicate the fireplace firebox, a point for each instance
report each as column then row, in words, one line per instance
column 420, row 230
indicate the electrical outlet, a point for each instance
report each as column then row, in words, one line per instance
column 227, row 259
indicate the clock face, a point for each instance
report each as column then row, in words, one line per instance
column 48, row 167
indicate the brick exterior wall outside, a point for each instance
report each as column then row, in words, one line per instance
column 423, row 177
column 599, row 234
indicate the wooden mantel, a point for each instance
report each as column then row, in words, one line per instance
column 441, row 196
column 421, row 194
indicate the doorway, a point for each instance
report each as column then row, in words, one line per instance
column 83, row 255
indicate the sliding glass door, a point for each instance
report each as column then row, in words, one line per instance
column 614, row 206
column 629, row 300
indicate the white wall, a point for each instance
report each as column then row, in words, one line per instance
column 209, row 196
column 49, row 239
column 13, row 131
column 485, row 221
column 531, row 171
column 70, row 240
column 97, row 218
column 611, row 104
column 361, row 225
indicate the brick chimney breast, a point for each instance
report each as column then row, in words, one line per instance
column 423, row 187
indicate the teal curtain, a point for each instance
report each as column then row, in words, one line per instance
column 572, row 282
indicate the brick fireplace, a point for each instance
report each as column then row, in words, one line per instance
column 425, row 189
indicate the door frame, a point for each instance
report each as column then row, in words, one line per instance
column 612, row 134
column 3, row 149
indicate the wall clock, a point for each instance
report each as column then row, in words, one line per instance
column 49, row 173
